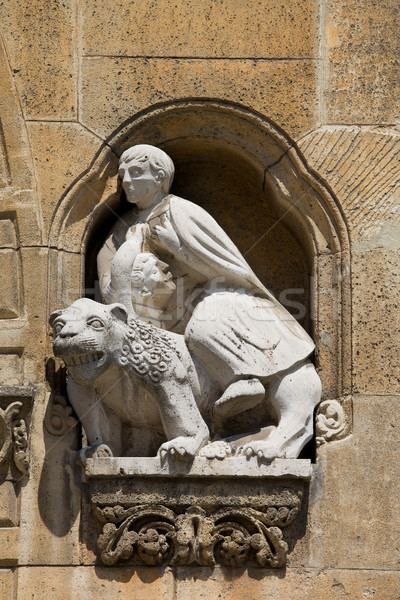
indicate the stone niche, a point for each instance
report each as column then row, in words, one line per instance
column 252, row 180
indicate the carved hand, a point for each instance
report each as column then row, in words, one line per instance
column 168, row 237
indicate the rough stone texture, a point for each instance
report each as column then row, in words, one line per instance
column 360, row 83
column 201, row 467
column 8, row 584
column 81, row 583
column 355, row 497
column 201, row 29
column 40, row 41
column 376, row 321
column 115, row 88
column 206, row 584
column 363, row 168
column 61, row 151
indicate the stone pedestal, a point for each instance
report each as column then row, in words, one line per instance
column 230, row 512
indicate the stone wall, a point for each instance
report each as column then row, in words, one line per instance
column 285, row 113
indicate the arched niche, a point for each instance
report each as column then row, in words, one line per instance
column 252, row 178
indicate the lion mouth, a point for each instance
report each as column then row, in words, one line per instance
column 82, row 359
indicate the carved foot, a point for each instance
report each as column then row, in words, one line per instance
column 181, row 448
column 264, row 450
column 219, row 449
column 100, row 450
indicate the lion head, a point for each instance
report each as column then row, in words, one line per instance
column 90, row 337
column 87, row 336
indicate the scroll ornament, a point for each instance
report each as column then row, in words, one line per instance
column 231, row 536
column 331, row 422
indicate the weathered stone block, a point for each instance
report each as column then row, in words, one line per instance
column 327, row 584
column 360, row 90
column 250, row 29
column 40, row 43
column 8, row 584
column 355, row 495
column 113, row 89
column 376, row 321
column 69, row 149
column 81, row 583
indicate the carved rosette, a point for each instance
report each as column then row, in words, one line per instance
column 13, row 437
column 332, row 422
column 156, row 535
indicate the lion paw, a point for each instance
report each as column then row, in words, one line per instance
column 100, row 450
column 219, row 449
column 180, row 448
column 263, row 450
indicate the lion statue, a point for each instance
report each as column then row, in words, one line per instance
column 137, row 390
column 131, row 384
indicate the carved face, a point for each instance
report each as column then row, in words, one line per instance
column 86, row 338
column 140, row 183
column 150, row 276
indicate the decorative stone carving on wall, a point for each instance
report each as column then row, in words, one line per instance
column 59, row 418
column 216, row 362
column 242, row 527
column 15, row 406
column 332, row 423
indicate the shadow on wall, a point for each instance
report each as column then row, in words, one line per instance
column 59, row 486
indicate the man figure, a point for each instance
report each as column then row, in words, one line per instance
column 232, row 324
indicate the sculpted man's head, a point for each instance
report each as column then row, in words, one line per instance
column 146, row 172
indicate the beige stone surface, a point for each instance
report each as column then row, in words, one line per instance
column 8, row 584
column 8, row 505
column 355, row 498
column 376, row 321
column 10, row 284
column 9, row 545
column 362, row 167
column 40, row 41
column 360, row 75
column 62, row 152
column 113, row 89
column 82, row 583
column 13, row 146
column 251, row 29
column 327, row 584
column 34, row 271
column 50, row 498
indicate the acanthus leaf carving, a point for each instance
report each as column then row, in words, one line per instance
column 156, row 535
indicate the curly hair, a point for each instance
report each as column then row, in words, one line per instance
column 148, row 350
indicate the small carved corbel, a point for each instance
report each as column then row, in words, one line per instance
column 331, row 422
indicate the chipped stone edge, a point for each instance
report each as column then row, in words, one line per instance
column 238, row 466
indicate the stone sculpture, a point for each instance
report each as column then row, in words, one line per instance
column 237, row 358
column 125, row 372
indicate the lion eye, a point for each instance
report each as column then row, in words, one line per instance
column 96, row 323
column 58, row 327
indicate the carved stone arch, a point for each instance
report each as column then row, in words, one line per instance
column 204, row 130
